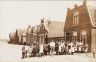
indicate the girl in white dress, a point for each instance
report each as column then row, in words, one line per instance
column 41, row 49
column 30, row 51
column 60, row 48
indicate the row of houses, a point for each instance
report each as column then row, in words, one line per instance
column 79, row 25
column 43, row 33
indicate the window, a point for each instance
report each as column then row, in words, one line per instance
column 74, row 36
column 76, row 18
column 83, row 37
column 67, row 36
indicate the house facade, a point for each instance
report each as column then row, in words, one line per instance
column 32, row 34
column 22, row 35
column 29, row 35
column 11, row 36
column 50, row 30
column 18, row 37
column 14, row 38
column 80, row 25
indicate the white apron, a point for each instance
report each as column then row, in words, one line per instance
column 41, row 48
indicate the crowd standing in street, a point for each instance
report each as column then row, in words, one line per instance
column 52, row 48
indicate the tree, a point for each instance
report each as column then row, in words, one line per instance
column 16, row 37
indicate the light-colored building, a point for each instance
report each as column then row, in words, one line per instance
column 22, row 35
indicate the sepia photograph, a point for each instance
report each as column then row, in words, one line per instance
column 47, row 30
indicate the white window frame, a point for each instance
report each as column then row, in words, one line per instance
column 76, row 18
column 75, row 36
column 83, row 35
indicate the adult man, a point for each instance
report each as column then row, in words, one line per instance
column 52, row 45
column 93, row 53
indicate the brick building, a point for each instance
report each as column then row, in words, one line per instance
column 80, row 25
column 51, row 30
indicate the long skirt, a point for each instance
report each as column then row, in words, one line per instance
column 41, row 49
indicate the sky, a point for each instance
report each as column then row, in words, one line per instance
column 20, row 14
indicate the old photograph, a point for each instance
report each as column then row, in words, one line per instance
column 47, row 30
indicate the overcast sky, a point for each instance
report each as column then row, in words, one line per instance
column 19, row 14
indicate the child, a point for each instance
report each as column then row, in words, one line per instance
column 23, row 52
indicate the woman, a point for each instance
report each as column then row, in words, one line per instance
column 41, row 49
column 48, row 48
column 86, row 48
column 60, row 46
column 57, row 47
column 72, row 49
column 45, row 49
column 34, row 51
column 26, row 51
column 30, row 51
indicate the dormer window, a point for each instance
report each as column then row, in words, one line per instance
column 76, row 18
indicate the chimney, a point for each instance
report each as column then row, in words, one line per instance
column 42, row 20
column 75, row 6
column 49, row 22
column 84, row 2
column 68, row 9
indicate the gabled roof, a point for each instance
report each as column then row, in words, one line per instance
column 36, row 29
column 28, row 30
column 55, row 29
column 91, row 11
column 92, row 14
column 21, row 32
column 11, row 35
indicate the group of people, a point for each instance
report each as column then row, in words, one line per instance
column 58, row 48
